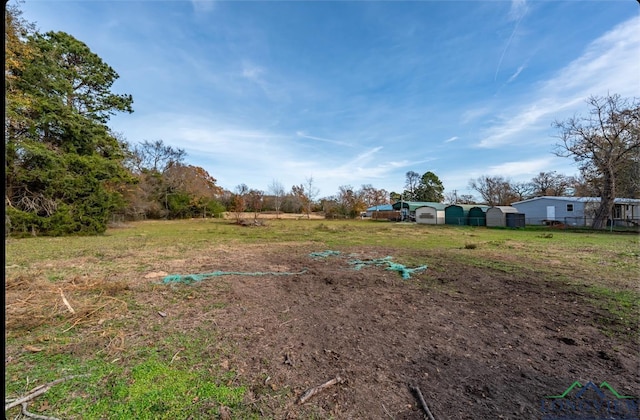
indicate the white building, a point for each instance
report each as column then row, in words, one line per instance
column 576, row 211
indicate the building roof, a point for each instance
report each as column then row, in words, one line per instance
column 381, row 207
column 505, row 209
column 413, row 205
column 467, row 207
column 437, row 206
column 634, row 201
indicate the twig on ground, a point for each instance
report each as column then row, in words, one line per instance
column 116, row 299
column 287, row 359
column 313, row 391
column 79, row 320
column 33, row 415
column 423, row 403
column 66, row 302
column 37, row 391
column 387, row 411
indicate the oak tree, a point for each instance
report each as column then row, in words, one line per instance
column 603, row 143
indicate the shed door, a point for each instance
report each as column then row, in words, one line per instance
column 551, row 212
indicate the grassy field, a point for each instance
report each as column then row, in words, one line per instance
column 90, row 340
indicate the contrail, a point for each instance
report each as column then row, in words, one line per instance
column 507, row 47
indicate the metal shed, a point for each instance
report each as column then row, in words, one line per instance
column 457, row 214
column 496, row 216
column 431, row 215
column 382, row 211
column 478, row 215
column 515, row 220
column 408, row 208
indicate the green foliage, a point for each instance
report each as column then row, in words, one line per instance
column 430, row 188
column 213, row 208
column 63, row 166
column 150, row 389
column 158, row 391
column 427, row 187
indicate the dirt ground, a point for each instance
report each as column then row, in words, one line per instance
column 478, row 343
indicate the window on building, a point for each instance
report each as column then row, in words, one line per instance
column 569, row 207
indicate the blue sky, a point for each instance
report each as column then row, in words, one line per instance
column 357, row 92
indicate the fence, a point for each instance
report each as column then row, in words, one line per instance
column 618, row 225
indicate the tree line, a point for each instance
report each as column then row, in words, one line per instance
column 67, row 172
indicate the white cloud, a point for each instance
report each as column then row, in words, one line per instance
column 252, row 72
column 450, row 139
column 608, row 65
column 518, row 9
column 515, row 75
column 321, row 139
column 519, row 168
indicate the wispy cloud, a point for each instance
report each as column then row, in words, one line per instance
column 515, row 75
column 518, row 9
column 516, row 13
column 608, row 65
column 321, row 139
column 203, row 6
column 475, row 114
column 523, row 167
column 252, row 72
column 450, row 139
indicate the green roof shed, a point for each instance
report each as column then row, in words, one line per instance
column 478, row 216
column 457, row 214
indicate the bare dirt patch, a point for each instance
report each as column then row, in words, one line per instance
column 479, row 343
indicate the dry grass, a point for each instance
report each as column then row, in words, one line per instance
column 32, row 302
column 273, row 215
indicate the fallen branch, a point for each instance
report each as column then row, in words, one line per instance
column 66, row 302
column 33, row 415
column 423, row 403
column 315, row 390
column 174, row 356
column 37, row 391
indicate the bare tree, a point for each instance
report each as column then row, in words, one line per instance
column 451, row 197
column 307, row 194
column 255, row 200
column 411, row 185
column 155, row 157
column 521, row 190
column 373, row 196
column 603, row 141
column 239, row 201
column 351, row 201
column 466, row 199
column 551, row 183
column 494, row 190
column 277, row 191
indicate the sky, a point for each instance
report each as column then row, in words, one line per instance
column 350, row 93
